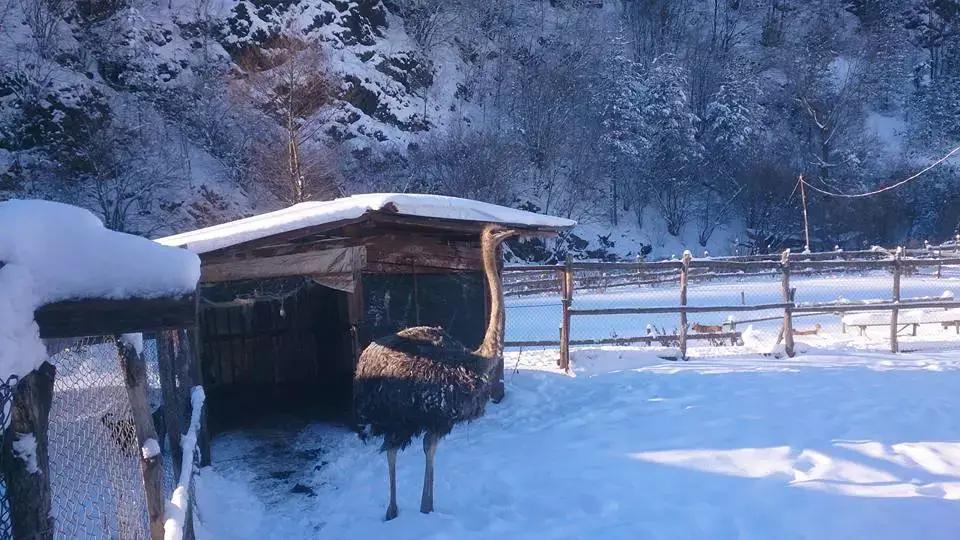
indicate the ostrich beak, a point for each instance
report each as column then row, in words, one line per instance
column 502, row 234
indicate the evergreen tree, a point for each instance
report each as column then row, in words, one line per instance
column 669, row 165
column 622, row 142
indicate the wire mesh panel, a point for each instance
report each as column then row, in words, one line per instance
column 6, row 401
column 94, row 465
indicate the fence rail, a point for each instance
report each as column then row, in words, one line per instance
column 572, row 277
column 532, row 280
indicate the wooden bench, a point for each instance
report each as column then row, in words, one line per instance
column 911, row 325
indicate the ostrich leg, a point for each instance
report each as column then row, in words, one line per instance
column 392, row 462
column 430, row 449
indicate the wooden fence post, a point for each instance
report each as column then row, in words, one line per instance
column 567, row 290
column 895, row 312
column 28, row 479
column 787, row 299
column 684, row 272
column 639, row 271
column 151, row 467
column 193, row 375
column 169, row 356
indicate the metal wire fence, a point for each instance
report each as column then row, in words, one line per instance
column 6, row 402
column 895, row 300
column 96, row 482
column 94, row 466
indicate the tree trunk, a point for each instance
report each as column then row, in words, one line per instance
column 28, row 488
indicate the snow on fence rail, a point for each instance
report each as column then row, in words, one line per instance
column 178, row 523
column 605, row 283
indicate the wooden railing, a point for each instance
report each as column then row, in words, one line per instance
column 571, row 276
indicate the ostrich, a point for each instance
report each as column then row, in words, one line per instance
column 422, row 381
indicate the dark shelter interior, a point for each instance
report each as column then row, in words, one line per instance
column 286, row 347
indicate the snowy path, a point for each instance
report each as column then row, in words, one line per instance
column 826, row 446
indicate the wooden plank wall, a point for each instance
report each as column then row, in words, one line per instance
column 397, row 253
column 254, row 353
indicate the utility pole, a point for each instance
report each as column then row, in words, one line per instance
column 806, row 222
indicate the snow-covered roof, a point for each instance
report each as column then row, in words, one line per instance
column 52, row 252
column 311, row 214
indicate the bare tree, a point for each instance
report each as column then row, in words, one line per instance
column 125, row 167
column 468, row 163
column 44, row 18
column 428, row 22
column 287, row 80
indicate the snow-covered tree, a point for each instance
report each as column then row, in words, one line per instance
column 670, row 163
column 622, row 142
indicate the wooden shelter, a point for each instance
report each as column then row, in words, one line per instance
column 289, row 299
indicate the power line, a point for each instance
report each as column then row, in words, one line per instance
column 881, row 190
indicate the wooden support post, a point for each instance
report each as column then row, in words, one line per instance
column 566, row 301
column 28, row 478
column 684, row 273
column 169, row 357
column 151, row 467
column 787, row 299
column 895, row 312
column 806, row 222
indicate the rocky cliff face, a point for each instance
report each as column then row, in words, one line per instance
column 132, row 107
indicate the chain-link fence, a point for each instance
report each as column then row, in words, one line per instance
column 899, row 300
column 6, row 402
column 94, row 464
column 96, row 481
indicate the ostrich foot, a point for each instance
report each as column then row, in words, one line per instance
column 391, row 512
column 426, row 506
column 497, row 393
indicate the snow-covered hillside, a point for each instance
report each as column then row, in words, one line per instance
column 658, row 125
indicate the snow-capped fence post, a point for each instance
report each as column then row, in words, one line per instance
column 895, row 311
column 787, row 299
column 26, row 467
column 178, row 523
column 193, row 377
column 567, row 290
column 151, row 467
column 684, row 274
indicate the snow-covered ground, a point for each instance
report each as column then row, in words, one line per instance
column 827, row 445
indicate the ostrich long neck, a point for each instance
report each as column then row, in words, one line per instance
column 492, row 345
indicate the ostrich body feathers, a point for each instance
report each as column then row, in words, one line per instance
column 416, row 381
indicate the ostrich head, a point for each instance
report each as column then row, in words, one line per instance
column 494, row 235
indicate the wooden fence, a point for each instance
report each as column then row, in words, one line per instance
column 566, row 279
